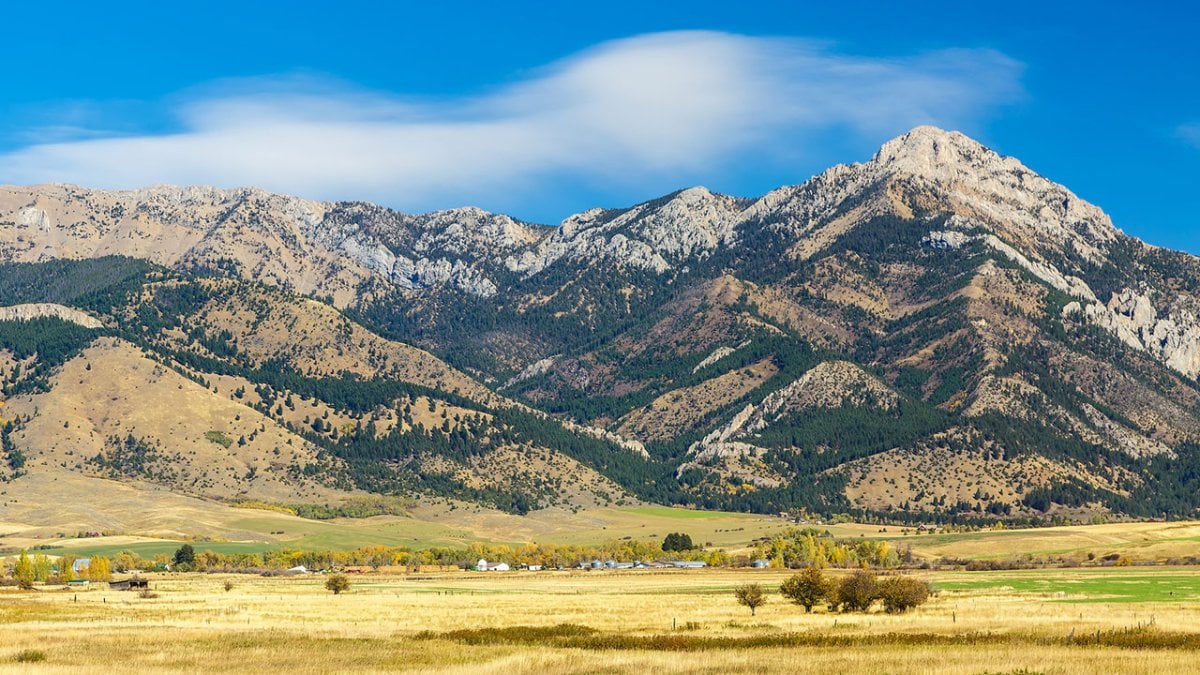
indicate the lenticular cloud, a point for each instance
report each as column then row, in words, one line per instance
column 661, row 104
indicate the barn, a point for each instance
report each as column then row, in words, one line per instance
column 129, row 584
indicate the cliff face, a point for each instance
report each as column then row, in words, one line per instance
column 39, row 310
column 936, row 329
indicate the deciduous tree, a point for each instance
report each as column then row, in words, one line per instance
column 23, row 572
column 41, row 567
column 337, row 583
column 100, row 569
column 857, row 591
column 750, row 595
column 66, row 568
column 902, row 593
column 806, row 588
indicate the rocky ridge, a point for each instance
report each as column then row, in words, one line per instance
column 335, row 249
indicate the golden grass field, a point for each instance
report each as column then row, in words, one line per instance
column 1139, row 619
column 622, row 622
column 150, row 530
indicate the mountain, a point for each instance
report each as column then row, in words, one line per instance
column 937, row 332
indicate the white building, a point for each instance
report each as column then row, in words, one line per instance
column 485, row 566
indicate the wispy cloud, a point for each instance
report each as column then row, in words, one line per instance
column 662, row 105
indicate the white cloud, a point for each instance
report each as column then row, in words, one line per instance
column 660, row 105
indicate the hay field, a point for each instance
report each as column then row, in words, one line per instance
column 1143, row 541
column 1045, row 621
column 246, row 530
column 160, row 529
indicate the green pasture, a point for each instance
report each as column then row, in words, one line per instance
column 1110, row 585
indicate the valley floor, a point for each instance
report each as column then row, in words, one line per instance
column 1134, row 620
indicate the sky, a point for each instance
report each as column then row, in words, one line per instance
column 543, row 109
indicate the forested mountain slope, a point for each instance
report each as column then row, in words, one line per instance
column 936, row 332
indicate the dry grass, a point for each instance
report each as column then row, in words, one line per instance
column 1143, row 542
column 81, row 412
column 670, row 621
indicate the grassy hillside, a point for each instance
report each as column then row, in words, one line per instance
column 231, row 390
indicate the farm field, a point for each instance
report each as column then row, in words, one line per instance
column 150, row 521
column 160, row 528
column 248, row 531
column 1137, row 620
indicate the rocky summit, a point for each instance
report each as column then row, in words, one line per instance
column 937, row 332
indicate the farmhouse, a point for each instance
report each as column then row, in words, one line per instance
column 485, row 566
column 760, row 564
column 81, row 566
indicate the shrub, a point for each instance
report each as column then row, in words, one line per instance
column 806, row 588
column 750, row 595
column 228, row 586
column 147, row 594
column 337, row 583
column 30, row 656
column 856, row 592
column 900, row 594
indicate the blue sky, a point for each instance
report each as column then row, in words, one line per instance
column 544, row 109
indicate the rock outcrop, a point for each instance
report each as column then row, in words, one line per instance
column 1130, row 315
column 40, row 310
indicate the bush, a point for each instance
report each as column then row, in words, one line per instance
column 856, row 592
column 806, row 588
column 147, row 594
column 900, row 594
column 30, row 656
column 337, row 583
column 228, row 586
column 750, row 595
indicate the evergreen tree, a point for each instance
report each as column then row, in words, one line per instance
column 185, row 555
column 677, row 541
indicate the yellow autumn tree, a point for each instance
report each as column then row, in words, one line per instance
column 23, row 572
column 41, row 567
column 66, row 568
column 100, row 569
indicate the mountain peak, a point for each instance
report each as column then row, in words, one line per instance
column 928, row 150
column 975, row 181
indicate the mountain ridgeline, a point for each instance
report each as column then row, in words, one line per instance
column 936, row 333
